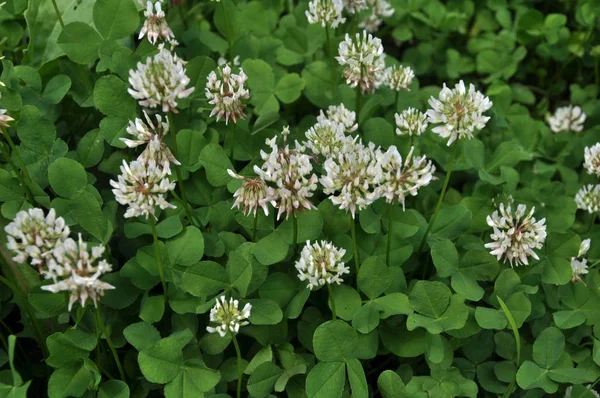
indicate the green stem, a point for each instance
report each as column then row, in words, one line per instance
column 227, row 29
column 358, row 102
column 330, row 50
column 332, row 299
column 440, row 200
column 57, row 11
column 411, row 140
column 239, row 366
column 354, row 246
column 232, row 140
column 290, row 6
column 592, row 222
column 19, row 177
column 396, row 102
column 254, row 227
column 389, row 231
column 295, row 233
column 161, row 271
column 597, row 70
column 100, row 325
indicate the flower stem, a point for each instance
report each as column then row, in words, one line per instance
column 440, row 200
column 239, row 366
column 396, row 102
column 411, row 140
column 354, row 246
column 100, row 325
column 358, row 102
column 227, row 29
column 389, row 231
column 330, row 50
column 592, row 222
column 290, row 6
column 232, row 139
column 295, row 233
column 57, row 11
column 161, row 271
column 254, row 227
column 332, row 299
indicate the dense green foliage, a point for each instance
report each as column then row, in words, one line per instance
column 448, row 320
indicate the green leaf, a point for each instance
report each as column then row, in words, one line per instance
column 90, row 149
column 162, row 361
column 67, row 177
column 357, row 378
column 187, row 247
column 289, row 88
column 392, row 386
column 445, row 258
column 112, row 99
column 87, row 212
column 194, row 378
column 374, row 277
column 490, row 318
column 71, row 380
column 116, row 19
column 204, row 279
column 532, row 376
column 113, row 389
column 548, row 347
column 71, row 346
column 262, row 380
column 152, row 308
column 334, row 341
column 216, row 163
column 239, row 270
column 326, row 380
column 190, row 144
column 141, row 335
column 265, row 312
column 430, row 298
column 507, row 154
column 467, row 286
column 451, row 222
column 271, row 249
column 80, row 42
column 347, row 301
column 56, row 88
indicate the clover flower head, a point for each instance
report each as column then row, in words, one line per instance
column 227, row 317
column 226, row 92
column 290, row 171
column 379, row 9
column 411, row 122
column 253, row 193
column 354, row 6
column 160, row 81
column 363, row 59
column 320, row 264
column 223, row 61
column 566, row 118
column 141, row 187
column 75, row 268
column 32, row 235
column 155, row 27
column 352, row 175
column 152, row 136
column 588, row 198
column 579, row 264
column 399, row 77
column 401, row 179
column 4, row 118
column 340, row 114
column 592, row 159
column 460, row 112
column 515, row 235
column 325, row 137
column 325, row 12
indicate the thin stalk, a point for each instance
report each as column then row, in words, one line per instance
column 227, row 29
column 57, row 11
column 330, row 50
column 194, row 220
column 161, row 271
column 396, row 101
column 19, row 177
column 440, row 200
column 100, row 325
column 389, row 231
column 592, row 222
column 411, row 140
column 254, row 227
column 239, row 366
column 232, row 139
column 358, row 101
column 295, row 233
column 290, row 6
column 354, row 246
column 332, row 299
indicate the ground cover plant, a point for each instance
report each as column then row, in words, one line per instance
column 267, row 198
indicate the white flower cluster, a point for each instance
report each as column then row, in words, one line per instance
column 226, row 92
column 155, row 26
column 4, row 118
column 325, row 138
column 223, row 61
column 227, row 316
column 398, row 77
column 401, row 179
column 354, row 6
column 320, row 264
column 566, row 118
column 160, row 81
column 325, row 12
column 579, row 264
column 379, row 9
column 289, row 169
column 411, row 121
column 352, row 175
column 515, row 235
column 459, row 111
column 592, row 159
column 253, row 193
column 152, row 136
column 31, row 235
column 340, row 114
column 363, row 59
column 142, row 186
column 73, row 269
column 588, row 198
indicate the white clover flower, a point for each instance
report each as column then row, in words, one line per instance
column 566, row 118
column 160, row 81
column 515, row 235
column 588, row 198
column 325, row 137
column 223, row 61
column 226, row 92
column 289, row 169
column 371, row 24
column 399, row 77
column 321, row 264
column 325, row 12
column 579, row 264
column 227, row 317
column 411, row 121
column 73, row 268
column 142, row 187
column 354, row 6
column 155, row 26
column 379, row 10
column 592, row 159
column 363, row 59
column 352, row 175
column 32, row 235
column 4, row 118
column 253, row 193
column 569, row 391
column 461, row 112
column 401, row 179
column 151, row 136
column 340, row 114
column 584, row 247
